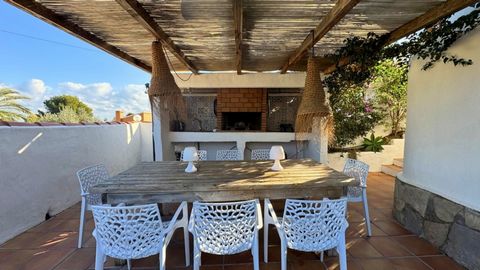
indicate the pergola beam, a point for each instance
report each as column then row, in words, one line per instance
column 427, row 19
column 136, row 10
column 238, row 27
column 48, row 16
column 341, row 8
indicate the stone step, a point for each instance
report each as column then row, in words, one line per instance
column 398, row 162
column 391, row 169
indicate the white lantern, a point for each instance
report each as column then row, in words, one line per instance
column 190, row 154
column 277, row 153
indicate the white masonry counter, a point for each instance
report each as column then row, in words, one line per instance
column 239, row 137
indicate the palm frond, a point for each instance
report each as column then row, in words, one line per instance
column 10, row 108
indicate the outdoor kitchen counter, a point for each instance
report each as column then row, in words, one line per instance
column 241, row 138
column 166, row 181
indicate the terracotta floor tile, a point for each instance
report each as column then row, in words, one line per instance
column 271, row 266
column 211, row 267
column 152, row 261
column 211, row 259
column 441, row 262
column 14, row 259
column 80, row 259
column 411, row 263
column 355, row 216
column 378, row 215
column 392, row 228
column 175, row 256
column 244, row 257
column 361, row 248
column 334, row 264
column 376, row 264
column 52, row 244
column 47, row 259
column 388, row 247
column 358, row 229
column 239, row 266
column 417, row 246
column 306, row 265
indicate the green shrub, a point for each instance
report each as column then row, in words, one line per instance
column 373, row 143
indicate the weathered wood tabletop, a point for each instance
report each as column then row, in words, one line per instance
column 166, row 181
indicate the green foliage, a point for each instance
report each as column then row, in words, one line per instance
column 350, row 80
column 353, row 115
column 432, row 43
column 373, row 143
column 390, row 84
column 10, row 107
column 55, row 105
column 66, row 115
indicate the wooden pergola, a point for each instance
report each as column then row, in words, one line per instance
column 235, row 35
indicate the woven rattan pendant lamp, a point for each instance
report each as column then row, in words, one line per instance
column 314, row 103
column 164, row 92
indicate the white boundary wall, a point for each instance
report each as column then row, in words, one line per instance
column 442, row 142
column 374, row 160
column 38, row 166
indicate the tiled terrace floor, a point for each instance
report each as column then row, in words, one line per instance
column 52, row 245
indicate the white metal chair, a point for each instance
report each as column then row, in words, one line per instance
column 260, row 154
column 310, row 226
column 225, row 228
column 359, row 170
column 133, row 232
column 228, row 155
column 202, row 155
column 88, row 177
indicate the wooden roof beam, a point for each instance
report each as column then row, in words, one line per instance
column 427, row 19
column 238, row 27
column 136, row 10
column 341, row 8
column 47, row 15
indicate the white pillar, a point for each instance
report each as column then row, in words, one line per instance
column 241, row 149
column 163, row 147
column 317, row 148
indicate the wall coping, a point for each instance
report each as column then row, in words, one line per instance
column 9, row 124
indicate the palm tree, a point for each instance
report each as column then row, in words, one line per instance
column 10, row 108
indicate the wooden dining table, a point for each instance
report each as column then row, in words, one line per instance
column 167, row 182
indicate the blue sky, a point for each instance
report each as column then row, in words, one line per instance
column 42, row 69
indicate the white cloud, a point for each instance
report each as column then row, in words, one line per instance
column 100, row 96
column 36, row 87
column 71, row 86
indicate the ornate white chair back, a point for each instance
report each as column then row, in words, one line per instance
column 128, row 232
column 358, row 170
column 228, row 155
column 225, row 228
column 90, row 176
column 314, row 225
column 260, row 154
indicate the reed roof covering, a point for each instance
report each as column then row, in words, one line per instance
column 228, row 35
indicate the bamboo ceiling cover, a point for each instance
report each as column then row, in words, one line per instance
column 204, row 29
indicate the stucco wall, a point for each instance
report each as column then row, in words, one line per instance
column 374, row 160
column 442, row 142
column 38, row 165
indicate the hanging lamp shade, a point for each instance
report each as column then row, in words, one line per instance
column 163, row 91
column 314, row 103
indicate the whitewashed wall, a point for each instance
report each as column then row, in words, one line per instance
column 442, row 143
column 38, row 165
column 374, row 160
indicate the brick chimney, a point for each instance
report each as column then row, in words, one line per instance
column 118, row 116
